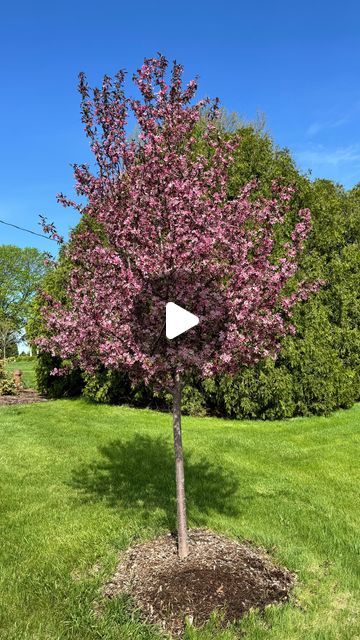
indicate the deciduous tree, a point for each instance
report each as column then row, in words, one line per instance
column 158, row 225
column 21, row 271
column 8, row 337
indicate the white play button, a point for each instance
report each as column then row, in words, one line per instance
column 178, row 320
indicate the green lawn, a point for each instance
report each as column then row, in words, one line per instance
column 81, row 482
column 28, row 369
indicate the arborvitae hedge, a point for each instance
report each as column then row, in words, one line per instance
column 318, row 370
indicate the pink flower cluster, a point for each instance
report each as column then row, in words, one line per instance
column 158, row 226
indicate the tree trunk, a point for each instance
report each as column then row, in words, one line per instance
column 183, row 543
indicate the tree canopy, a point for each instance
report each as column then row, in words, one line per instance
column 161, row 226
column 21, row 272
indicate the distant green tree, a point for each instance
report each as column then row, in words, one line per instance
column 8, row 338
column 12, row 349
column 21, row 272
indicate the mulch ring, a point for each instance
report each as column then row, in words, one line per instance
column 25, row 396
column 219, row 574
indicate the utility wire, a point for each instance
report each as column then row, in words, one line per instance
column 34, row 233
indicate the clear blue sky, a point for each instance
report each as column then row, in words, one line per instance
column 297, row 62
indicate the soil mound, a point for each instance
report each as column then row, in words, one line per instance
column 219, row 574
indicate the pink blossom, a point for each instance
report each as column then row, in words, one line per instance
column 158, row 226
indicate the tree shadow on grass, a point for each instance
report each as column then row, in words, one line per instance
column 139, row 474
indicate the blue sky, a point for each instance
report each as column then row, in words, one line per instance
column 296, row 62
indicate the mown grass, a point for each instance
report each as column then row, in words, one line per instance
column 28, row 369
column 82, row 482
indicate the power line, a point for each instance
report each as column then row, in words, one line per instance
column 34, row 233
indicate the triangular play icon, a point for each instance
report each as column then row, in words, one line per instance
column 178, row 320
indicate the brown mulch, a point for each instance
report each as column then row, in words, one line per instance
column 25, row 396
column 219, row 574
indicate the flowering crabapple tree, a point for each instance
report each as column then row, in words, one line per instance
column 157, row 226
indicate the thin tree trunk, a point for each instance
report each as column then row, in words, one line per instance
column 183, row 543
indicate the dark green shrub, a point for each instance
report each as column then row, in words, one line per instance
column 69, row 385
column 109, row 387
column 114, row 387
column 264, row 391
column 193, row 401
